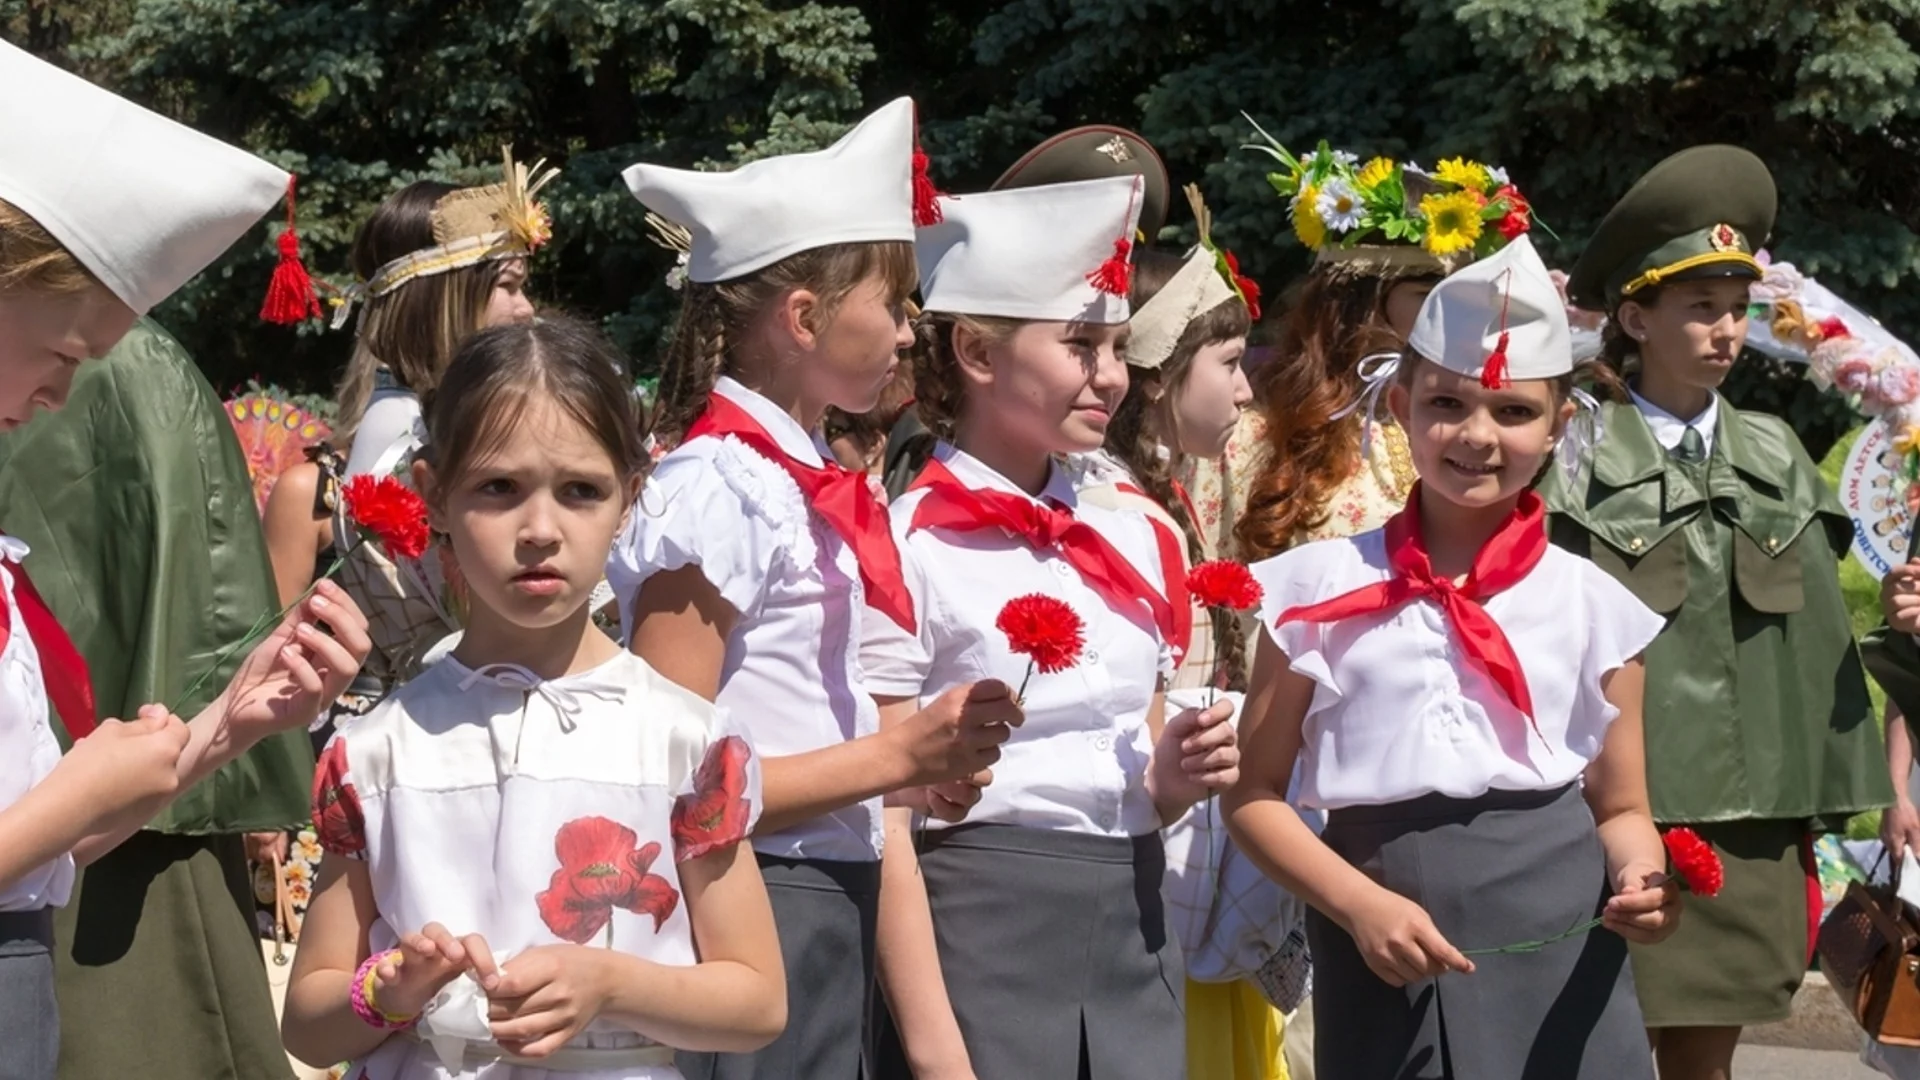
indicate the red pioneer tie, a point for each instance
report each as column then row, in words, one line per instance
column 840, row 496
column 949, row 504
column 1502, row 563
column 69, row 687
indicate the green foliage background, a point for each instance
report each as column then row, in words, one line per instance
column 1575, row 97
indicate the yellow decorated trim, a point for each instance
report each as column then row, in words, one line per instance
column 438, row 260
column 1691, row 262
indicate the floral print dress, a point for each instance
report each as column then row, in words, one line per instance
column 534, row 812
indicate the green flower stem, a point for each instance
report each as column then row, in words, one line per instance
column 259, row 630
column 1535, row 946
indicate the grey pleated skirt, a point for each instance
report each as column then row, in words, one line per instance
column 1497, row 870
column 1057, row 955
column 825, row 913
column 29, row 1017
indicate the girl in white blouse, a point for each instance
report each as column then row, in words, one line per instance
column 1464, row 701
column 752, row 556
column 1032, row 940
column 572, row 894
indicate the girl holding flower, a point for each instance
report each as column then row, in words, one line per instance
column 987, row 931
column 573, row 895
column 1463, row 700
column 1760, row 733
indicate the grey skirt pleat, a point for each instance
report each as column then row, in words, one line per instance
column 29, row 1016
column 1051, row 942
column 1501, row 869
column 825, row 913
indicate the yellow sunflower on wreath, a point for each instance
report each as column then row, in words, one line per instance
column 1464, row 174
column 1306, row 219
column 1453, row 222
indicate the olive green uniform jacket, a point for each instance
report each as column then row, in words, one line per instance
column 1756, row 702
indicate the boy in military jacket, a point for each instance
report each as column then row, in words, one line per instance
column 1759, row 730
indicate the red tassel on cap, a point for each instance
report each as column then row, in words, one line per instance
column 1493, row 374
column 926, row 197
column 290, row 294
column 1115, row 276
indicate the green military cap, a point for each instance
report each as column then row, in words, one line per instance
column 1701, row 213
column 1092, row 153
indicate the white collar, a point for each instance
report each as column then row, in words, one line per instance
column 13, row 549
column 1669, row 429
column 974, row 473
column 786, row 432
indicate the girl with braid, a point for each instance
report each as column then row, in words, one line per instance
column 751, row 558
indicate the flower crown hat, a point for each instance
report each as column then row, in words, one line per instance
column 470, row 226
column 1382, row 216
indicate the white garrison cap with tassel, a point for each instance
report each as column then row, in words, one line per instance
column 1499, row 319
column 868, row 187
column 143, row 202
column 1053, row 253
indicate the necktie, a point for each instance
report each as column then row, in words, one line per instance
column 840, row 496
column 1692, row 448
column 1503, row 562
column 69, row 686
column 949, row 504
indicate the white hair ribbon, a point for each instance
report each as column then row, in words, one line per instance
column 1376, row 371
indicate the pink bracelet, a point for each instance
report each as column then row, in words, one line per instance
column 360, row 995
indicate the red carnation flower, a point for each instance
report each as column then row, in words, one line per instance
column 1695, row 861
column 389, row 512
column 1223, row 583
column 1831, row 327
column 1249, row 288
column 1519, row 216
column 1044, row 630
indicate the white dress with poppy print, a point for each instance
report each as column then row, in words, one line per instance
column 535, row 812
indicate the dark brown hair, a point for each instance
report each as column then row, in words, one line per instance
column 497, row 372
column 414, row 329
column 715, row 317
column 1142, row 423
column 939, row 389
column 1593, row 374
column 1334, row 321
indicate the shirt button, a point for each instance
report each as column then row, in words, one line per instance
column 1103, row 743
column 1061, row 568
column 1636, row 543
column 1092, row 657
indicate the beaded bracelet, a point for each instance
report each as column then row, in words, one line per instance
column 360, row 994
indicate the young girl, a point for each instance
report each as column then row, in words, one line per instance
column 1760, row 731
column 571, row 896
column 88, row 243
column 1465, row 702
column 1032, row 941
column 1305, row 476
column 746, row 569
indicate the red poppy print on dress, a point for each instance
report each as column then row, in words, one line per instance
column 600, row 870
column 337, row 819
column 714, row 814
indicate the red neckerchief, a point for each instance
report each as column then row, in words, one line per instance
column 64, row 670
column 950, row 504
column 840, row 496
column 1173, row 570
column 1502, row 563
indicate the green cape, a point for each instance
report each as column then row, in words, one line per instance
column 146, row 543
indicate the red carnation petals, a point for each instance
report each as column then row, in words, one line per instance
column 1695, row 861
column 1044, row 630
column 1519, row 216
column 391, row 513
column 1223, row 583
column 1831, row 327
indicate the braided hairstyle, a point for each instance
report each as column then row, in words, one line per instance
column 716, row 316
column 1144, row 424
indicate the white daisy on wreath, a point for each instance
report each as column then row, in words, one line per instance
column 1340, row 206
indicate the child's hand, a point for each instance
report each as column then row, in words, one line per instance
column 298, row 670
column 1198, row 756
column 544, row 997
column 424, row 964
column 959, row 733
column 1900, row 598
column 950, row 802
column 1645, row 907
column 1399, row 942
column 129, row 767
